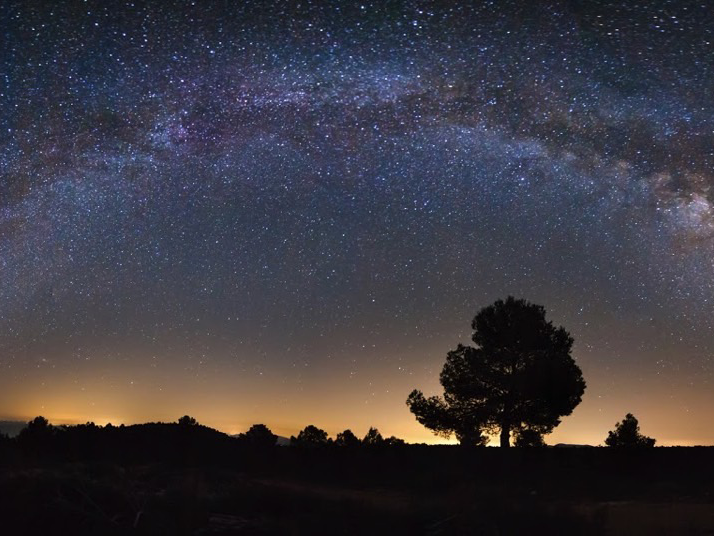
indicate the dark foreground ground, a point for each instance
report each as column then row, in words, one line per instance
column 232, row 489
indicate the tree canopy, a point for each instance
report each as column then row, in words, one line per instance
column 259, row 436
column 187, row 420
column 38, row 425
column 37, row 435
column 627, row 434
column 310, row 436
column 347, row 439
column 373, row 437
column 519, row 378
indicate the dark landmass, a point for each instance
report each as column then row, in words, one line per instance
column 173, row 479
column 11, row 428
column 281, row 441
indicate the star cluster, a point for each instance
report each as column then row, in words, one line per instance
column 250, row 211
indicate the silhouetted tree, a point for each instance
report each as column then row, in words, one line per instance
column 347, row 439
column 187, row 421
column 37, row 428
column 627, row 434
column 37, row 437
column 447, row 419
column 310, row 436
column 260, row 436
column 393, row 441
column 519, row 376
column 373, row 438
column 38, row 423
column 527, row 437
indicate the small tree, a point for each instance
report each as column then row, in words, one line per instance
column 187, row 421
column 38, row 423
column 37, row 436
column 373, row 437
column 38, row 428
column 310, row 436
column 528, row 437
column 259, row 436
column 393, row 441
column 347, row 439
column 627, row 435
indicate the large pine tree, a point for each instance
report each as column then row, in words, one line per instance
column 519, row 378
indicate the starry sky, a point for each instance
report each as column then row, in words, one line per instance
column 288, row 212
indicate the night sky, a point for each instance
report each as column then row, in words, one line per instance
column 289, row 212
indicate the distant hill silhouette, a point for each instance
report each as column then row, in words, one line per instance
column 12, row 428
column 281, row 442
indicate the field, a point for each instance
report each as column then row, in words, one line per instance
column 397, row 490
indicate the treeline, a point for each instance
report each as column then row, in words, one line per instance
column 312, row 436
column 184, row 440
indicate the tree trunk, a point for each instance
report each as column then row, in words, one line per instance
column 506, row 435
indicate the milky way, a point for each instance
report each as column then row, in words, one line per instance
column 308, row 202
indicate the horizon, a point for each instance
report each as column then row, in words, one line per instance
column 332, row 433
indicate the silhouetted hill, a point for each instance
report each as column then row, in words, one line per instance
column 280, row 442
column 138, row 443
column 12, row 428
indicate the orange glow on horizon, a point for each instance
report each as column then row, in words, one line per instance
column 589, row 423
